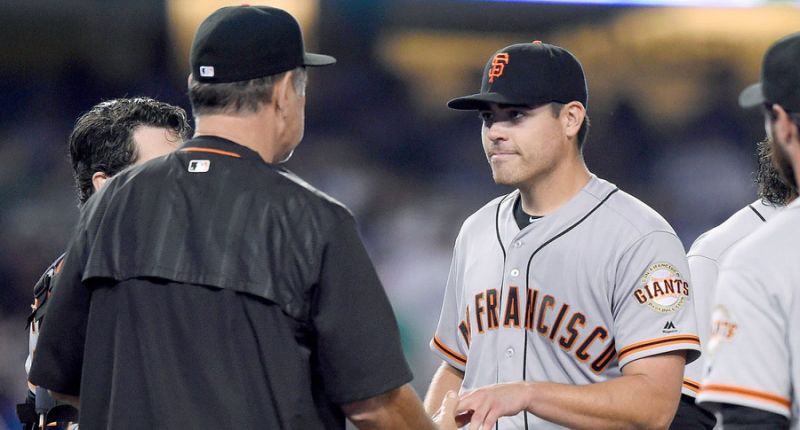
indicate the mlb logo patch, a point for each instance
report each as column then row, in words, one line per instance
column 199, row 166
column 207, row 71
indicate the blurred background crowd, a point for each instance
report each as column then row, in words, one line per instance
column 663, row 83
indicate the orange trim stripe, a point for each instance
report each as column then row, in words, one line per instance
column 654, row 343
column 691, row 385
column 449, row 352
column 58, row 267
column 760, row 395
column 212, row 151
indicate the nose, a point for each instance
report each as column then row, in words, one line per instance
column 494, row 132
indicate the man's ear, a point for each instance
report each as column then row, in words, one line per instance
column 573, row 114
column 99, row 179
column 281, row 93
column 783, row 128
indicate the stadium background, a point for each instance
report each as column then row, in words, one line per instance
column 663, row 83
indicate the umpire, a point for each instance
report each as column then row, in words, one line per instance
column 212, row 288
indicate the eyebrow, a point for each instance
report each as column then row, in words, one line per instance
column 506, row 106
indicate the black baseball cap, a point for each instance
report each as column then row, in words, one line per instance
column 239, row 43
column 780, row 77
column 528, row 74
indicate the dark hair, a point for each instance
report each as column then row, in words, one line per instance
column 102, row 140
column 241, row 96
column 583, row 132
column 771, row 186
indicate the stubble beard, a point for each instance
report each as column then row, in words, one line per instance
column 783, row 165
column 504, row 175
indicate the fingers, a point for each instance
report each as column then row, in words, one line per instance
column 484, row 412
column 463, row 419
column 478, row 417
column 467, row 402
column 445, row 418
column 449, row 405
column 490, row 420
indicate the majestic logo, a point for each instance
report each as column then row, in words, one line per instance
column 199, row 166
column 498, row 66
column 663, row 289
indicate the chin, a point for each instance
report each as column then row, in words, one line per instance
column 501, row 179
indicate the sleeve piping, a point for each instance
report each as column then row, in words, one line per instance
column 691, row 385
column 460, row 359
column 749, row 393
column 657, row 343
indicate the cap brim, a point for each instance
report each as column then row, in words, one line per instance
column 752, row 96
column 317, row 60
column 479, row 101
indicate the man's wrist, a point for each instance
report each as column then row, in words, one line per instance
column 531, row 394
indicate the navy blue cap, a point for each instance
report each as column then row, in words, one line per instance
column 528, row 74
column 239, row 43
column 780, row 77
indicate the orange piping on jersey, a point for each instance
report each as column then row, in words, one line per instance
column 655, row 343
column 760, row 395
column 212, row 151
column 449, row 352
column 692, row 385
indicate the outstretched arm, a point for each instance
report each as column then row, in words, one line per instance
column 401, row 409
column 645, row 397
column 447, row 378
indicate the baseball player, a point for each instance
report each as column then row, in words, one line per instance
column 710, row 249
column 752, row 375
column 212, row 288
column 568, row 302
column 108, row 138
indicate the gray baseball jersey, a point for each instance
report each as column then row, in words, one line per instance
column 754, row 347
column 571, row 298
column 705, row 256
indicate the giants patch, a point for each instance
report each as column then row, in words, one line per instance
column 663, row 290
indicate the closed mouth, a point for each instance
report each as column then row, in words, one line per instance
column 501, row 154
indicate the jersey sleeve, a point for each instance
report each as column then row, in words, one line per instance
column 749, row 360
column 58, row 358
column 652, row 305
column 451, row 339
column 704, row 273
column 358, row 342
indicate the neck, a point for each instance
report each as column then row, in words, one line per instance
column 545, row 194
column 255, row 131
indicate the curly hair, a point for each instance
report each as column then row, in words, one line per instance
column 102, row 140
column 772, row 188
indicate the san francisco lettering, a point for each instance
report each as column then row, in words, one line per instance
column 543, row 315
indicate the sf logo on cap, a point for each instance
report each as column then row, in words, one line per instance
column 498, row 65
